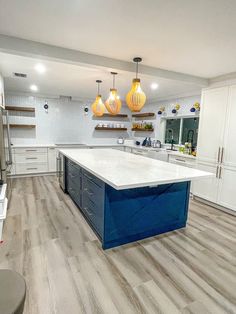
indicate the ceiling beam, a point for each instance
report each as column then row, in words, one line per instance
column 33, row 49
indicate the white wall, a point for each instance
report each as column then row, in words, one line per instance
column 65, row 122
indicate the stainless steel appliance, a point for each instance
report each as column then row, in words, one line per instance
column 61, row 171
column 5, row 151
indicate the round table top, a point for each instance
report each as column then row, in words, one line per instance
column 12, row 291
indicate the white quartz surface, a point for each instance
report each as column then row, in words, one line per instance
column 124, row 170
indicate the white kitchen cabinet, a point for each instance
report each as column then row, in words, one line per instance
column 228, row 156
column 212, row 123
column 227, row 188
column 206, row 188
column 31, row 168
column 52, row 155
column 216, row 149
column 159, row 155
column 30, row 160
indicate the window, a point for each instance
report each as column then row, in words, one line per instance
column 172, row 131
column 182, row 130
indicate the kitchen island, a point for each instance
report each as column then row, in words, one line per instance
column 125, row 197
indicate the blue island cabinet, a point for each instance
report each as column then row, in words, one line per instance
column 123, row 216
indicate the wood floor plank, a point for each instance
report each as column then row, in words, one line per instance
column 48, row 241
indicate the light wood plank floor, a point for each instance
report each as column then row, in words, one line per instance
column 46, row 239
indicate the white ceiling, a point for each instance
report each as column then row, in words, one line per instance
column 188, row 36
column 79, row 81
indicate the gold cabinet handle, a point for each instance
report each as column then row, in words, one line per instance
column 217, row 171
column 218, row 157
column 222, row 155
column 220, row 172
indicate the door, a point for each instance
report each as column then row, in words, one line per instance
column 227, row 188
column 207, row 188
column 212, row 121
column 228, row 155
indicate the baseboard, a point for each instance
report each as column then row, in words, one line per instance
column 219, row 207
column 14, row 176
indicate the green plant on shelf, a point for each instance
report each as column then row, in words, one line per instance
column 148, row 126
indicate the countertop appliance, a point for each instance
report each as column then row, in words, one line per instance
column 60, row 170
column 5, row 150
column 120, row 140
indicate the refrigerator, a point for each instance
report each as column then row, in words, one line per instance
column 5, row 151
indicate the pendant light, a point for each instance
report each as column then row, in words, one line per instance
column 98, row 107
column 136, row 98
column 113, row 102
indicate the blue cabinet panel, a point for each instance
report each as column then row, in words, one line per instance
column 138, row 213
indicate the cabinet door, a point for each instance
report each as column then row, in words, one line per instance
column 206, row 188
column 229, row 152
column 212, row 121
column 227, row 188
column 51, row 159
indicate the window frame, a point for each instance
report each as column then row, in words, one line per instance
column 180, row 127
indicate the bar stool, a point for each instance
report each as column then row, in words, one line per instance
column 12, row 292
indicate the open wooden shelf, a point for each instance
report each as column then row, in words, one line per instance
column 102, row 128
column 142, row 130
column 108, row 115
column 143, row 115
column 22, row 126
column 15, row 108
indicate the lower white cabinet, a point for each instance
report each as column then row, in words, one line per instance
column 220, row 189
column 206, row 188
column 30, row 160
column 27, row 168
column 227, row 188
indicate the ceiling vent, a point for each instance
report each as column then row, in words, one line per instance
column 22, row 75
column 67, row 98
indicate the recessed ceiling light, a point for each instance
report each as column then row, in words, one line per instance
column 40, row 68
column 154, row 86
column 34, row 88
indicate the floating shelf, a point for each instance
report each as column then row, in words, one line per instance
column 22, row 126
column 108, row 115
column 143, row 115
column 102, row 128
column 142, row 130
column 14, row 108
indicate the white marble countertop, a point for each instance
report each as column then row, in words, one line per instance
column 124, row 170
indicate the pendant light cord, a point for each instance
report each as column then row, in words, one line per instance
column 136, row 70
column 113, row 80
column 98, row 88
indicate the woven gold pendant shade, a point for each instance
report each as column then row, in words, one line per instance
column 98, row 106
column 113, row 103
column 136, row 98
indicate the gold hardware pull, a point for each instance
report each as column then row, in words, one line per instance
column 218, row 157
column 217, row 171
column 220, row 177
column 222, row 154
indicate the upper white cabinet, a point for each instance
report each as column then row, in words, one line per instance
column 212, row 122
column 228, row 156
column 216, row 146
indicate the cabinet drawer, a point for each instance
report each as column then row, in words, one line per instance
column 184, row 161
column 30, row 150
column 90, row 178
column 75, row 194
column 94, row 212
column 22, row 168
column 31, row 157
